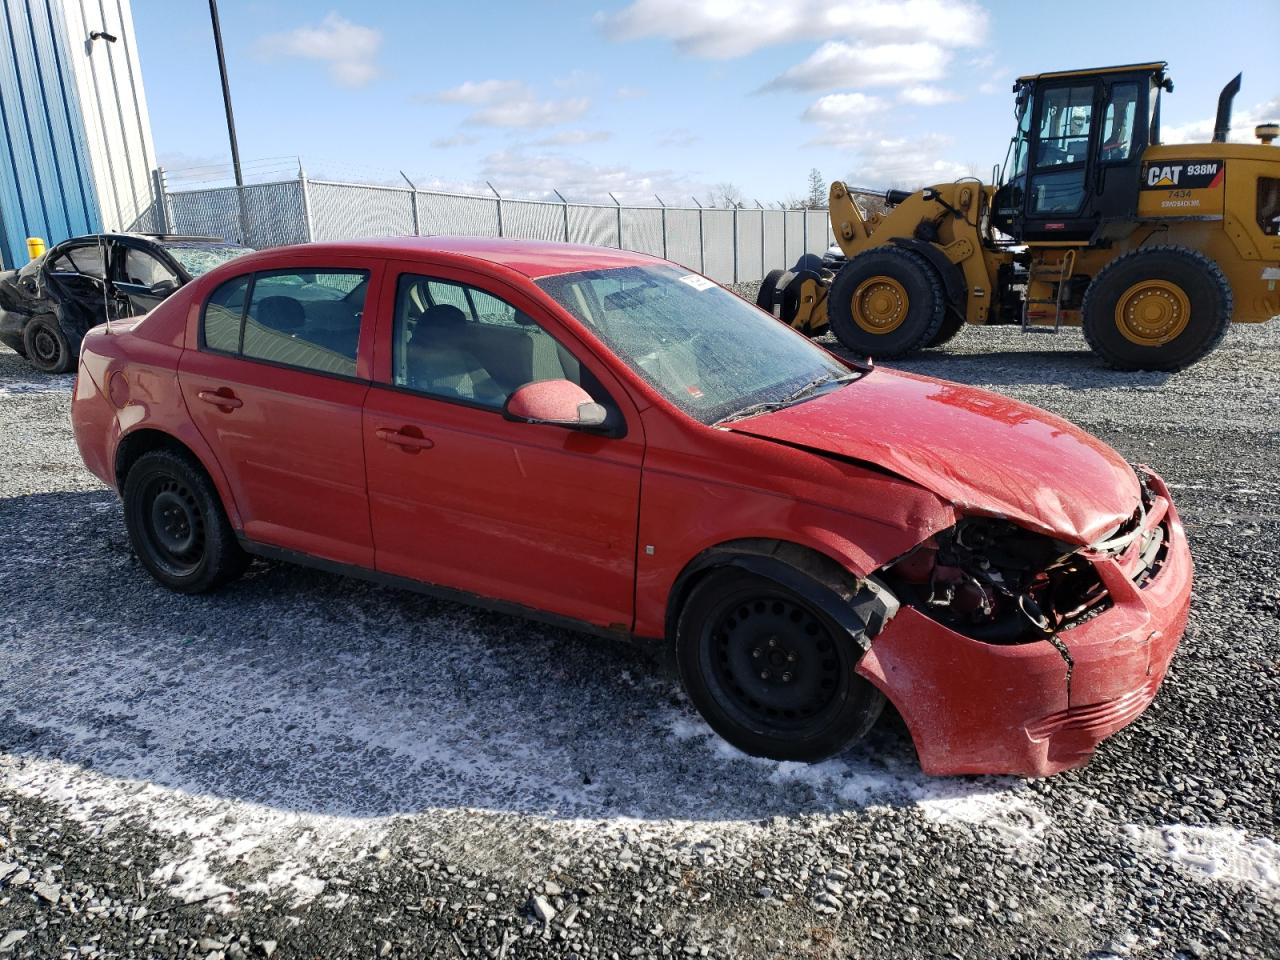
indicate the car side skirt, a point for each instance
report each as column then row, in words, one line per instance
column 269, row 552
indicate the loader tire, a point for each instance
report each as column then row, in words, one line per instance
column 766, row 296
column 887, row 302
column 1157, row 308
column 952, row 325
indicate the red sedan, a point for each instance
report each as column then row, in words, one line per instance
column 606, row 440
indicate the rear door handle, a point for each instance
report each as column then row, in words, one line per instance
column 222, row 398
column 401, row 439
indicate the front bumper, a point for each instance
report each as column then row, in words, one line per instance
column 1023, row 710
column 11, row 326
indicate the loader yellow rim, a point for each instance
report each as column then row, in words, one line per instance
column 880, row 304
column 1152, row 312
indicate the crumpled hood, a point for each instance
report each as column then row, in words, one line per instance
column 974, row 448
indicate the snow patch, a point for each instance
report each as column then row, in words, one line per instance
column 51, row 384
column 1216, row 853
column 990, row 805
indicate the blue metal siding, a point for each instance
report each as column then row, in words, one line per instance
column 46, row 189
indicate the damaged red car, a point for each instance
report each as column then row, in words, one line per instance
column 606, row 440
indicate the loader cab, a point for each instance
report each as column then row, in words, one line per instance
column 1076, row 158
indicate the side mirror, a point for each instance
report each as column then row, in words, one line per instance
column 557, row 403
column 162, row 288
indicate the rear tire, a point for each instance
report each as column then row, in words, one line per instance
column 176, row 523
column 46, row 345
column 771, row 675
column 767, row 294
column 952, row 324
column 1157, row 308
column 887, row 302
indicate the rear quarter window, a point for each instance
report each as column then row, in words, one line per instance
column 223, row 313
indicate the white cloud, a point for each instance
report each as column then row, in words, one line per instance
column 530, row 113
column 1242, row 123
column 897, row 161
column 537, row 175
column 569, row 138
column 723, row 29
column 678, row 137
column 630, row 93
column 456, row 140
column 838, row 64
column 926, row 96
column 842, row 108
column 348, row 49
column 512, row 104
column 477, row 92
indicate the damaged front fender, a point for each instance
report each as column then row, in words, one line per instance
column 1038, row 707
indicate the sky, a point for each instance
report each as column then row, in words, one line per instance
column 665, row 97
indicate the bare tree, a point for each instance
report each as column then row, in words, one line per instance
column 727, row 195
column 817, row 190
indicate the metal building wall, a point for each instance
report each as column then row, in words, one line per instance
column 75, row 139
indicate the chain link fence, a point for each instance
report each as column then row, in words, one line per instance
column 728, row 245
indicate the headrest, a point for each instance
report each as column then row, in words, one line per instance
column 280, row 313
column 442, row 315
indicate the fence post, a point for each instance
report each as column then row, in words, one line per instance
column 664, row 225
column 499, row 196
column 564, row 205
column 804, row 231
column 763, row 269
column 735, row 243
column 161, row 203
column 619, row 206
column 784, row 233
column 413, row 201
column 702, row 247
column 308, row 224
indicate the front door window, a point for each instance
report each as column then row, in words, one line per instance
column 1062, row 148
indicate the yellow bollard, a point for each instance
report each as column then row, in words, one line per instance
column 35, row 247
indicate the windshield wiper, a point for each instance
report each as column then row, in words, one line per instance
column 769, row 406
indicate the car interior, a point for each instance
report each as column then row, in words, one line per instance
column 459, row 342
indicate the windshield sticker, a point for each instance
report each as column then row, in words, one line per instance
column 697, row 282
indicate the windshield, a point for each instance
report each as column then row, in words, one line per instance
column 709, row 352
column 198, row 258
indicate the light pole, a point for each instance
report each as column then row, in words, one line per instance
column 231, row 120
column 226, row 91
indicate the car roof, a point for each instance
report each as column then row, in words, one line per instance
column 156, row 237
column 533, row 258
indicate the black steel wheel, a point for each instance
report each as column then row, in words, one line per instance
column 769, row 672
column 177, row 525
column 46, row 345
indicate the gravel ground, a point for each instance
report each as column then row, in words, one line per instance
column 308, row 766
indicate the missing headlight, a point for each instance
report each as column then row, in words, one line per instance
column 992, row 580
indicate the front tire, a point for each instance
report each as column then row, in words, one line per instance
column 887, row 302
column 176, row 523
column 46, row 345
column 771, row 675
column 1157, row 308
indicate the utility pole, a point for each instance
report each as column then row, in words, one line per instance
column 226, row 91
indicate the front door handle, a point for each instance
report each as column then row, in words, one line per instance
column 408, row 441
column 222, row 398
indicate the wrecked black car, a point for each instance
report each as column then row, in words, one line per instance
column 47, row 306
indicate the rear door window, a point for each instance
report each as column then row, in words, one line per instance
column 145, row 270
column 306, row 317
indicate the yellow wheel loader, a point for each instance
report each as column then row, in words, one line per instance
column 1091, row 222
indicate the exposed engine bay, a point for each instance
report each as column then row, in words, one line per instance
column 994, row 581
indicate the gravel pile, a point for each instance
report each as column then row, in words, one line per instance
column 304, row 766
